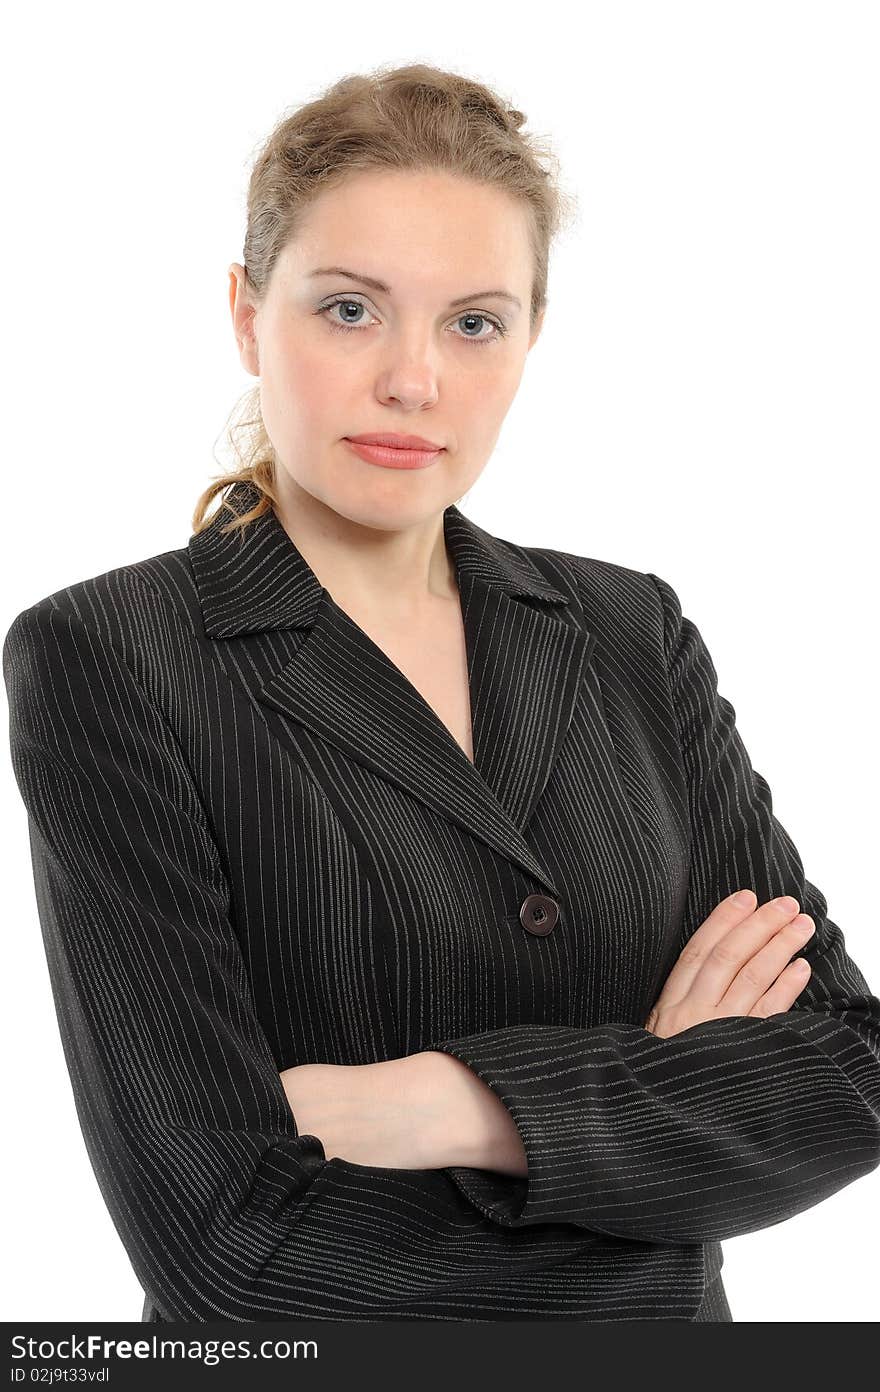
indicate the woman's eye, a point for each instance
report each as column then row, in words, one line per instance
column 483, row 319
column 468, row 319
column 345, row 304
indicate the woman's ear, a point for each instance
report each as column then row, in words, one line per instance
column 243, row 313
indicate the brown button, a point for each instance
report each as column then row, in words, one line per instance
column 539, row 914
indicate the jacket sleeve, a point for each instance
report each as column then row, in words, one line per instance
column 185, row 1118
column 727, row 1127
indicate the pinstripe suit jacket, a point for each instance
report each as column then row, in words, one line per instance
column 255, row 845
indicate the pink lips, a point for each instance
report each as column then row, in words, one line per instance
column 395, row 451
column 395, row 440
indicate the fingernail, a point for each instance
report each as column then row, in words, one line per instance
column 742, row 897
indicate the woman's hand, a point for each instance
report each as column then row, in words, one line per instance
column 735, row 964
column 394, row 1113
column 424, row 1111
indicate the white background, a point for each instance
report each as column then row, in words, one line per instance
column 702, row 403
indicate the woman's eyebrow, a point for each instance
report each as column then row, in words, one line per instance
column 386, row 289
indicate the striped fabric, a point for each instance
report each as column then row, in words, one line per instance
column 255, row 845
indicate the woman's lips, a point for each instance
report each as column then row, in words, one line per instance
column 393, row 458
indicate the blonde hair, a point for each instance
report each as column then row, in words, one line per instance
column 415, row 117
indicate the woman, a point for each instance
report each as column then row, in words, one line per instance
column 366, row 844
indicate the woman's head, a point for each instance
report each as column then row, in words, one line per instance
column 421, row 181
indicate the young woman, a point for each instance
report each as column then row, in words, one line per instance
column 388, row 870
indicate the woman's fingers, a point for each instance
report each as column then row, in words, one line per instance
column 738, row 962
column 736, row 949
column 753, row 980
column 784, row 991
column 698, row 946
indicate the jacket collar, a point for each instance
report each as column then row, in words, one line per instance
column 255, row 579
column 529, row 653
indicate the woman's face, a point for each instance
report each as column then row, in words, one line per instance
column 406, row 359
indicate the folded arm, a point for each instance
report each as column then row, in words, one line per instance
column 727, row 1127
column 226, row 1206
column 420, row 1111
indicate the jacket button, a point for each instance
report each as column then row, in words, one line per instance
column 539, row 914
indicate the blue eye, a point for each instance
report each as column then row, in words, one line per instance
column 333, row 303
column 350, row 327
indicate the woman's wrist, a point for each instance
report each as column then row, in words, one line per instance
column 423, row 1111
column 480, row 1132
column 397, row 1113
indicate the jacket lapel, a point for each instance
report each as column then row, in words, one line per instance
column 526, row 650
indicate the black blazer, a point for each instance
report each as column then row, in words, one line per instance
column 255, row 845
